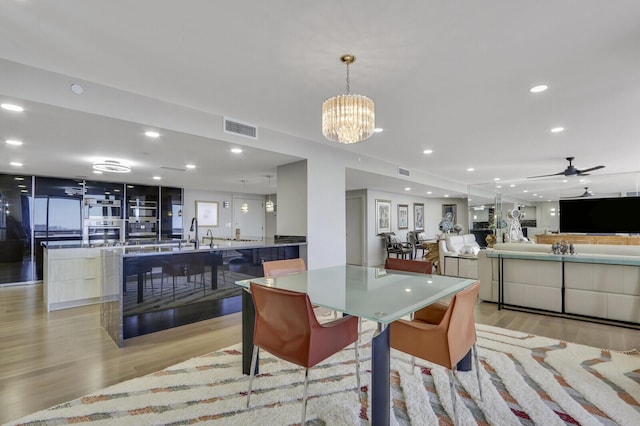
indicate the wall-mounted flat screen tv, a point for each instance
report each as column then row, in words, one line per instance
column 600, row 215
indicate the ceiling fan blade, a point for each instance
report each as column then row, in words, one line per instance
column 582, row 172
column 555, row 174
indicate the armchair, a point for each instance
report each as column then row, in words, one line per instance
column 286, row 327
column 414, row 239
column 441, row 334
column 396, row 246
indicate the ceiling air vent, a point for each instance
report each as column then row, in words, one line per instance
column 242, row 129
column 403, row 172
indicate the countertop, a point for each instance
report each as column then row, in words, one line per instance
column 172, row 246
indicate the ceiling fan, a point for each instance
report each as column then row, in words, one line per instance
column 586, row 193
column 571, row 170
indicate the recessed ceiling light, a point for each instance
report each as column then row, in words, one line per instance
column 18, row 178
column 446, row 195
column 539, row 88
column 116, row 190
column 564, row 181
column 13, row 142
column 157, row 178
column 378, row 130
column 107, row 193
column 498, row 186
column 77, row 89
column 151, row 134
column 407, row 188
column 97, row 172
column 16, row 164
column 525, row 190
column 236, row 150
column 12, row 107
column 130, row 186
column 427, row 151
column 23, row 190
column 513, row 185
column 470, row 169
column 496, row 179
column 429, row 192
column 557, row 130
column 190, row 166
column 22, row 186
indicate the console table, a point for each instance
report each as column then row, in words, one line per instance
column 596, row 286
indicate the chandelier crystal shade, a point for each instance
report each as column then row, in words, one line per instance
column 348, row 118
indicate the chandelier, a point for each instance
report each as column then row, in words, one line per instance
column 348, row 118
column 269, row 204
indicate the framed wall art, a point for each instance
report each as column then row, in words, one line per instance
column 452, row 209
column 383, row 216
column 418, row 216
column 403, row 216
column 207, row 213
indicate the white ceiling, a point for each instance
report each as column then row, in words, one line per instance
column 449, row 76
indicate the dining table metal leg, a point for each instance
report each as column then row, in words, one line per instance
column 248, row 323
column 380, row 372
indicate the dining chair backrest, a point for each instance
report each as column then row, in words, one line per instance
column 283, row 323
column 407, row 265
column 460, row 323
column 276, row 268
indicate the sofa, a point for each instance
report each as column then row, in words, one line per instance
column 458, row 255
column 600, row 281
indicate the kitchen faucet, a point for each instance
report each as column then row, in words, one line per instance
column 210, row 235
column 194, row 227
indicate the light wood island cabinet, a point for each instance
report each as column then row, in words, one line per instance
column 72, row 277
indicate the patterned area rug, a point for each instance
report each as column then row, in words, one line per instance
column 526, row 380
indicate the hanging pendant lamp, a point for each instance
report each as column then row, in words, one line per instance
column 244, row 207
column 348, row 118
column 269, row 207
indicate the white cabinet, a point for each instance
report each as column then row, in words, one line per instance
column 460, row 266
column 72, row 277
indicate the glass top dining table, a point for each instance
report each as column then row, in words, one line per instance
column 376, row 294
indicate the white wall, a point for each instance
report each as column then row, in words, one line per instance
column 548, row 218
column 225, row 228
column 292, row 199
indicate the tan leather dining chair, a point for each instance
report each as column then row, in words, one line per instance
column 286, row 327
column 442, row 334
column 419, row 266
column 277, row 268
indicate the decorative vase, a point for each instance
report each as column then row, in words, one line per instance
column 490, row 239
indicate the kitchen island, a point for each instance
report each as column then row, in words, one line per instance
column 147, row 289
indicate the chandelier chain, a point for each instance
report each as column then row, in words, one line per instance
column 348, row 86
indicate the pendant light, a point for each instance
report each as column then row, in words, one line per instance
column 269, row 204
column 348, row 118
column 244, row 208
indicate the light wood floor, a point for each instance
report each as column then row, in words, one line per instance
column 50, row 358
